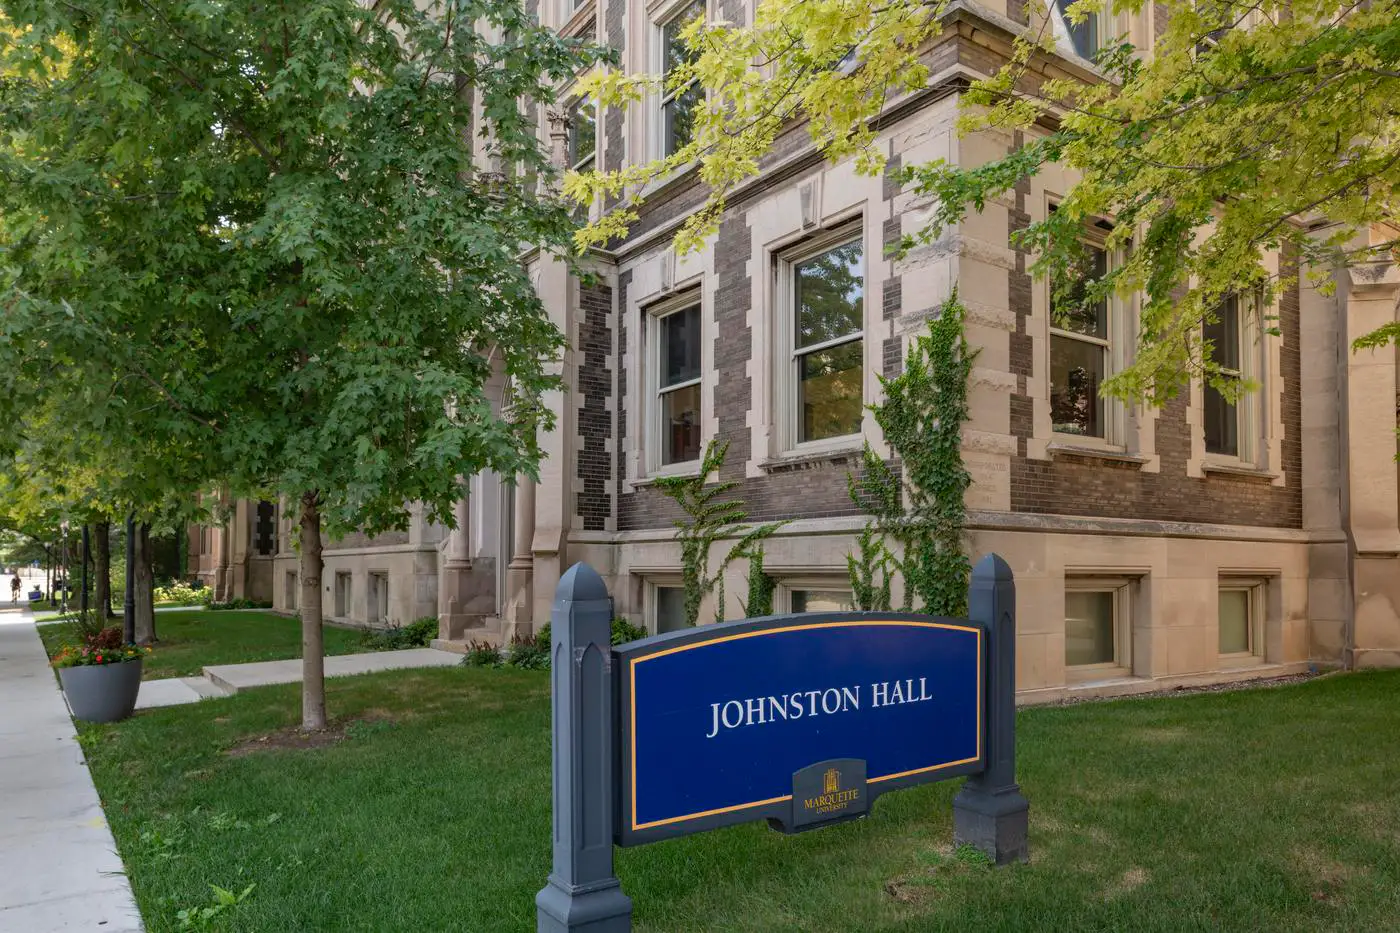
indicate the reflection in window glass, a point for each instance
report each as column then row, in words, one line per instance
column 678, row 395
column 1079, row 348
column 1222, row 421
column 829, row 308
column 669, row 608
column 1076, row 372
column 1235, row 627
column 822, row 601
column 1089, row 627
column 678, row 104
column 583, row 134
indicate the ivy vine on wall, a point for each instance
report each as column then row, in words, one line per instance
column 711, row 514
column 918, row 505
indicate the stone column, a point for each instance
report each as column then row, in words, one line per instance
column 1371, row 493
column 454, row 571
column 554, row 497
column 240, row 528
column 1322, row 361
column 519, row 611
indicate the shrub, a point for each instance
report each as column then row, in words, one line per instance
column 624, row 631
column 107, row 639
column 418, row 634
column 527, row 654
column 421, row 633
column 482, row 654
column 179, row 594
column 240, row 603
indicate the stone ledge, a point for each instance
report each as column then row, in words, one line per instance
column 1235, row 469
column 1135, row 686
column 1056, row 450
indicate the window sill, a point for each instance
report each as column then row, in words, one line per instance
column 1237, row 662
column 1059, row 449
column 1096, row 675
column 805, row 459
column 1239, row 469
column 675, row 178
column 683, row 471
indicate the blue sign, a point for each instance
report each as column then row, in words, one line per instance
column 716, row 722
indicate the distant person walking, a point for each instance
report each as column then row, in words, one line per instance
column 14, row 588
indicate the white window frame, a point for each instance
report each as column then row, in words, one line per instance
column 1112, row 27
column 782, row 596
column 589, row 162
column 1115, row 347
column 1249, row 408
column 788, row 362
column 651, row 584
column 654, row 435
column 1122, row 663
column 663, row 18
column 1255, row 588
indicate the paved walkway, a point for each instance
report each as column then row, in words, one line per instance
column 59, row 868
column 226, row 679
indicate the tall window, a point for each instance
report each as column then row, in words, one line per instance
column 583, row 134
column 827, row 320
column 1223, row 417
column 343, row 583
column 378, row 597
column 1090, row 36
column 678, row 104
column 1080, row 345
column 676, row 356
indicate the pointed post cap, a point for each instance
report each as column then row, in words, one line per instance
column 992, row 568
column 580, row 583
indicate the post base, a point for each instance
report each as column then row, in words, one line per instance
column 996, row 823
column 603, row 908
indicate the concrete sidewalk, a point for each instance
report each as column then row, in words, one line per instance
column 235, row 677
column 222, row 680
column 59, row 868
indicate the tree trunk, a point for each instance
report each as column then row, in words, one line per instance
column 143, row 582
column 313, row 662
column 102, row 558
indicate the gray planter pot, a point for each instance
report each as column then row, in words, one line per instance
column 102, row 692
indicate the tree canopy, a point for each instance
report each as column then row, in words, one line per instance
column 1243, row 129
column 292, row 239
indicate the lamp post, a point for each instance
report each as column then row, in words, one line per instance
column 63, row 565
column 129, row 608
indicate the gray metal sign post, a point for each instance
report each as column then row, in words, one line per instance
column 989, row 812
column 583, row 894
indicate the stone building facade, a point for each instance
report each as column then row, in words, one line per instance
column 1197, row 542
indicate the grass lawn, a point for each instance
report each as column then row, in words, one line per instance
column 189, row 640
column 1269, row 809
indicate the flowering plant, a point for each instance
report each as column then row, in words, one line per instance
column 92, row 655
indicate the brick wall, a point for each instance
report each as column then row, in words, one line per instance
column 805, row 490
column 615, row 37
column 1071, row 485
column 594, row 501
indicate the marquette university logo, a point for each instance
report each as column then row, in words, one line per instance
column 827, row 792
